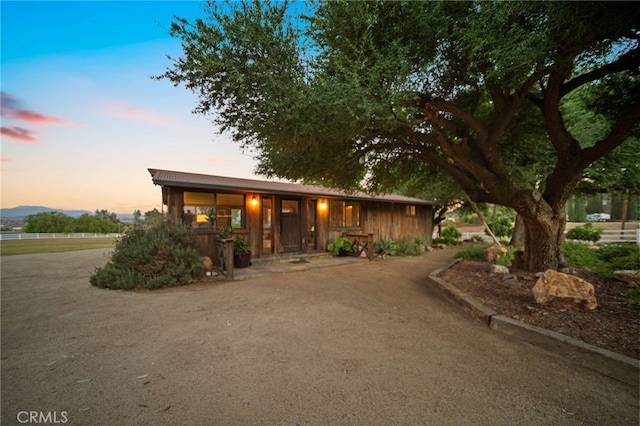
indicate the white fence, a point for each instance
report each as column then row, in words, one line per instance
column 49, row 236
column 620, row 236
column 608, row 236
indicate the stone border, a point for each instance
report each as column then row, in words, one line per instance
column 611, row 364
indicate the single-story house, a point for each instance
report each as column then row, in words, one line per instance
column 283, row 218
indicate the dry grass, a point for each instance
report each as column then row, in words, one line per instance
column 13, row 247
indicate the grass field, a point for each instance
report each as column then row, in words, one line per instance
column 8, row 248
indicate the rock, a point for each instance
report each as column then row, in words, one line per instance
column 493, row 253
column 430, row 249
column 499, row 269
column 207, row 264
column 564, row 291
column 627, row 276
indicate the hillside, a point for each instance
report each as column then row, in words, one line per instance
column 20, row 212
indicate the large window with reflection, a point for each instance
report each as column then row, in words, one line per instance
column 344, row 214
column 200, row 209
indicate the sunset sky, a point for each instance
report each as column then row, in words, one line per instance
column 81, row 118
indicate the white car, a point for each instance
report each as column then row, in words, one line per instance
column 598, row 217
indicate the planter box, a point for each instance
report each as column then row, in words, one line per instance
column 242, row 260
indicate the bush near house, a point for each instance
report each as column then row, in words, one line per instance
column 159, row 255
column 585, row 232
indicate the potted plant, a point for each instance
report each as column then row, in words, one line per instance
column 341, row 246
column 241, row 251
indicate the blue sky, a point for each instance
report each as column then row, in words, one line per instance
column 81, row 118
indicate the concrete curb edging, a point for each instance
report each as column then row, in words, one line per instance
column 611, row 364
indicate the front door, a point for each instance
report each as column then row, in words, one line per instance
column 290, row 234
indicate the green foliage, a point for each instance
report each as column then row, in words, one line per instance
column 507, row 258
column 91, row 223
column 151, row 257
column 400, row 248
column 475, row 253
column 633, row 296
column 502, row 227
column 616, row 257
column 577, row 254
column 585, row 232
column 47, row 222
column 340, row 245
column 449, row 235
column 240, row 244
column 602, row 260
column 102, row 222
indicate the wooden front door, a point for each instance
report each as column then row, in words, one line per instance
column 290, row 233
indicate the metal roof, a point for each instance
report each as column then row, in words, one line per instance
column 211, row 182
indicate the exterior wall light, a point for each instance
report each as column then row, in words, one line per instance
column 254, row 201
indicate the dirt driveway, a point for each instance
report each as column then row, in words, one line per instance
column 364, row 344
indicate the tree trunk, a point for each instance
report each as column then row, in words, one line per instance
column 544, row 235
column 518, row 236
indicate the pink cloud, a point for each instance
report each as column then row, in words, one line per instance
column 5, row 159
column 135, row 113
column 18, row 133
column 32, row 117
column 10, row 107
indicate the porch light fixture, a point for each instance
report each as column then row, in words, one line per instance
column 254, row 201
column 323, row 205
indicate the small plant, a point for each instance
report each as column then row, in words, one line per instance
column 507, row 258
column 225, row 232
column 472, row 253
column 340, row 246
column 240, row 244
column 633, row 296
column 584, row 233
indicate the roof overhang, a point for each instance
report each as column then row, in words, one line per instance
column 169, row 178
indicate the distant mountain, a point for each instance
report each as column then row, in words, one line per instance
column 20, row 212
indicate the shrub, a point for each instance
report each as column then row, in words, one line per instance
column 399, row 248
column 151, row 257
column 507, row 258
column 472, row 253
column 617, row 257
column 577, row 254
column 584, row 233
column 339, row 246
column 449, row 236
column 604, row 260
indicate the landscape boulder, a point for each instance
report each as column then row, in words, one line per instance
column 627, row 276
column 493, row 253
column 499, row 269
column 564, row 291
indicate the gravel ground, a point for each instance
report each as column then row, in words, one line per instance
column 363, row 344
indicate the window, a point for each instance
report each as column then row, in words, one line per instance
column 343, row 214
column 410, row 210
column 229, row 209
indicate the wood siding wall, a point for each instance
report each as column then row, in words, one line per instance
column 382, row 219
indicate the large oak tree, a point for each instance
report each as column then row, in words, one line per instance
column 333, row 92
